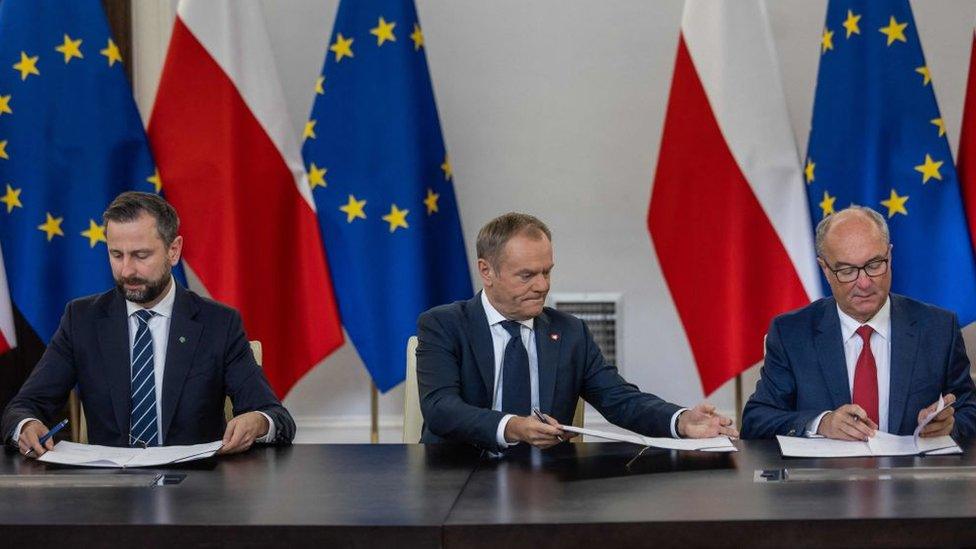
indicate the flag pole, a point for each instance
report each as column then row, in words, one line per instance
column 374, row 414
column 738, row 401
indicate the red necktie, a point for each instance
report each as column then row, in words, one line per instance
column 866, row 376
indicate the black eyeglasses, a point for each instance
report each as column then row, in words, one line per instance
column 873, row 268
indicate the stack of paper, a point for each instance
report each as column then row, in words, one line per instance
column 881, row 444
column 714, row 444
column 92, row 455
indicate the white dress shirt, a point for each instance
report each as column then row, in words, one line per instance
column 159, row 330
column 880, row 347
column 499, row 339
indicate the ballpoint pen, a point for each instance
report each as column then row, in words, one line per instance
column 57, row 428
column 542, row 418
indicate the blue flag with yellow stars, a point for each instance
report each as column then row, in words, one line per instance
column 70, row 140
column 877, row 139
column 382, row 183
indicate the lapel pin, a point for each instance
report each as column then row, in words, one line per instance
column 182, row 339
column 554, row 337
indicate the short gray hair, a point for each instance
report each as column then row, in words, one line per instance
column 130, row 205
column 497, row 232
column 870, row 213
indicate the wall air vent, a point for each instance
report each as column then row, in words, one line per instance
column 602, row 314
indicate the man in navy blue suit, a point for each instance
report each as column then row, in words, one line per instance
column 864, row 359
column 152, row 361
column 485, row 364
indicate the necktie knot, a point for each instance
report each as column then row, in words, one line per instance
column 865, row 332
column 144, row 315
column 513, row 328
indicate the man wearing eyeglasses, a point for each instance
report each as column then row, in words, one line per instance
column 864, row 359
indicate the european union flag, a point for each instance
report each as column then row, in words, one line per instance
column 382, row 183
column 878, row 140
column 70, row 140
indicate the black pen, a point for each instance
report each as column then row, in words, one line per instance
column 57, row 428
column 542, row 418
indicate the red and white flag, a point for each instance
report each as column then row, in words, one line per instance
column 231, row 165
column 966, row 164
column 8, row 336
column 728, row 213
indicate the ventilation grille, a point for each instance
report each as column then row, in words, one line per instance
column 601, row 313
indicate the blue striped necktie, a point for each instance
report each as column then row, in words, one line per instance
column 143, row 430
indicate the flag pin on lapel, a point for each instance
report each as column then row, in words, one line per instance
column 554, row 337
column 182, row 339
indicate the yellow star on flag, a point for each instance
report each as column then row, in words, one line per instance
column 939, row 124
column 309, row 131
column 895, row 204
column 320, row 85
column 808, row 170
column 926, row 76
column 52, row 226
column 5, row 105
column 112, row 53
column 12, row 199
column 826, row 41
column 94, row 234
column 396, row 218
column 383, row 32
column 354, row 209
column 417, row 36
column 446, row 166
column 3, row 150
column 316, row 176
column 70, row 48
column 929, row 169
column 827, row 204
column 431, row 201
column 851, row 24
column 894, row 31
column 342, row 47
column 27, row 65
column 156, row 180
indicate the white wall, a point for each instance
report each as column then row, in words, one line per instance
column 555, row 107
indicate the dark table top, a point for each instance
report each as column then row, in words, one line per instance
column 573, row 495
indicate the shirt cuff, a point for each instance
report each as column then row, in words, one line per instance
column 16, row 437
column 272, row 431
column 500, row 432
column 814, row 425
column 674, row 423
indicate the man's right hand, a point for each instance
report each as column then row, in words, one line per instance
column 849, row 422
column 532, row 431
column 30, row 436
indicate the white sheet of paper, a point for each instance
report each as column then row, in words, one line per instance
column 821, row 447
column 93, row 455
column 714, row 444
column 928, row 419
column 881, row 444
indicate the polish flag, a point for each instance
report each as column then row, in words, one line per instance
column 8, row 336
column 966, row 164
column 231, row 165
column 728, row 213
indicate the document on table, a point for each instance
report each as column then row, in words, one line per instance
column 92, row 455
column 881, row 444
column 714, row 444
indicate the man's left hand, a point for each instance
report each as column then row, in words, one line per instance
column 242, row 431
column 702, row 422
column 941, row 424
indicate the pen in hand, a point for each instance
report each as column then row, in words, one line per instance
column 57, row 428
column 542, row 418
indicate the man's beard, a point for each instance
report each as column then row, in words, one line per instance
column 152, row 289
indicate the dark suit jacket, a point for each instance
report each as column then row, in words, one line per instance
column 805, row 372
column 207, row 357
column 456, row 374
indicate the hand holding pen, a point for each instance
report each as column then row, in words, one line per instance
column 35, row 439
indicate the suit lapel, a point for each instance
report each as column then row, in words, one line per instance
column 830, row 354
column 904, row 345
column 184, row 335
column 113, row 339
column 547, row 351
column 481, row 345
